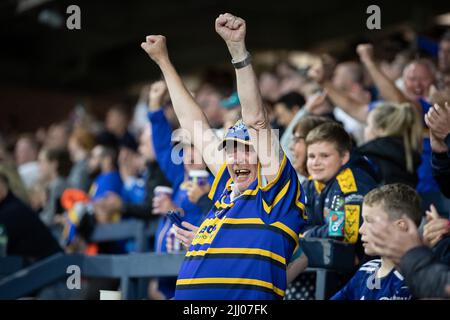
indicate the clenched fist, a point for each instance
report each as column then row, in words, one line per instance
column 232, row 29
column 156, row 94
column 365, row 52
column 156, row 48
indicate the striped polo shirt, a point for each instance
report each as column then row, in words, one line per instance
column 242, row 248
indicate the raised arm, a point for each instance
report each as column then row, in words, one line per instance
column 232, row 29
column 350, row 106
column 161, row 135
column 189, row 114
column 388, row 89
column 322, row 74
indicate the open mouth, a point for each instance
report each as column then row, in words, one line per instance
column 242, row 173
column 418, row 92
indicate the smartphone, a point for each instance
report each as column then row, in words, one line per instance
column 176, row 219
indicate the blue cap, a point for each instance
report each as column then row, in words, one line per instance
column 239, row 133
column 230, row 102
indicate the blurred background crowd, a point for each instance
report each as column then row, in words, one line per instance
column 98, row 160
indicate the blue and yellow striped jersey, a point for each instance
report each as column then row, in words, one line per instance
column 242, row 248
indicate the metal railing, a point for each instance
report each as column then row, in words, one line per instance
column 130, row 268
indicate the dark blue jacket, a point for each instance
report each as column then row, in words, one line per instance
column 440, row 165
column 352, row 182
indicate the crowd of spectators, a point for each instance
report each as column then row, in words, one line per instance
column 372, row 133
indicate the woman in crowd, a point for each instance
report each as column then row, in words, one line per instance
column 393, row 142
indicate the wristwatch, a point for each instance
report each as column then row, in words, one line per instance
column 243, row 63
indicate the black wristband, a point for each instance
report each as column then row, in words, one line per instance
column 440, row 155
column 243, row 63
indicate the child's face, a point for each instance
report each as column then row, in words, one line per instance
column 370, row 215
column 324, row 161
